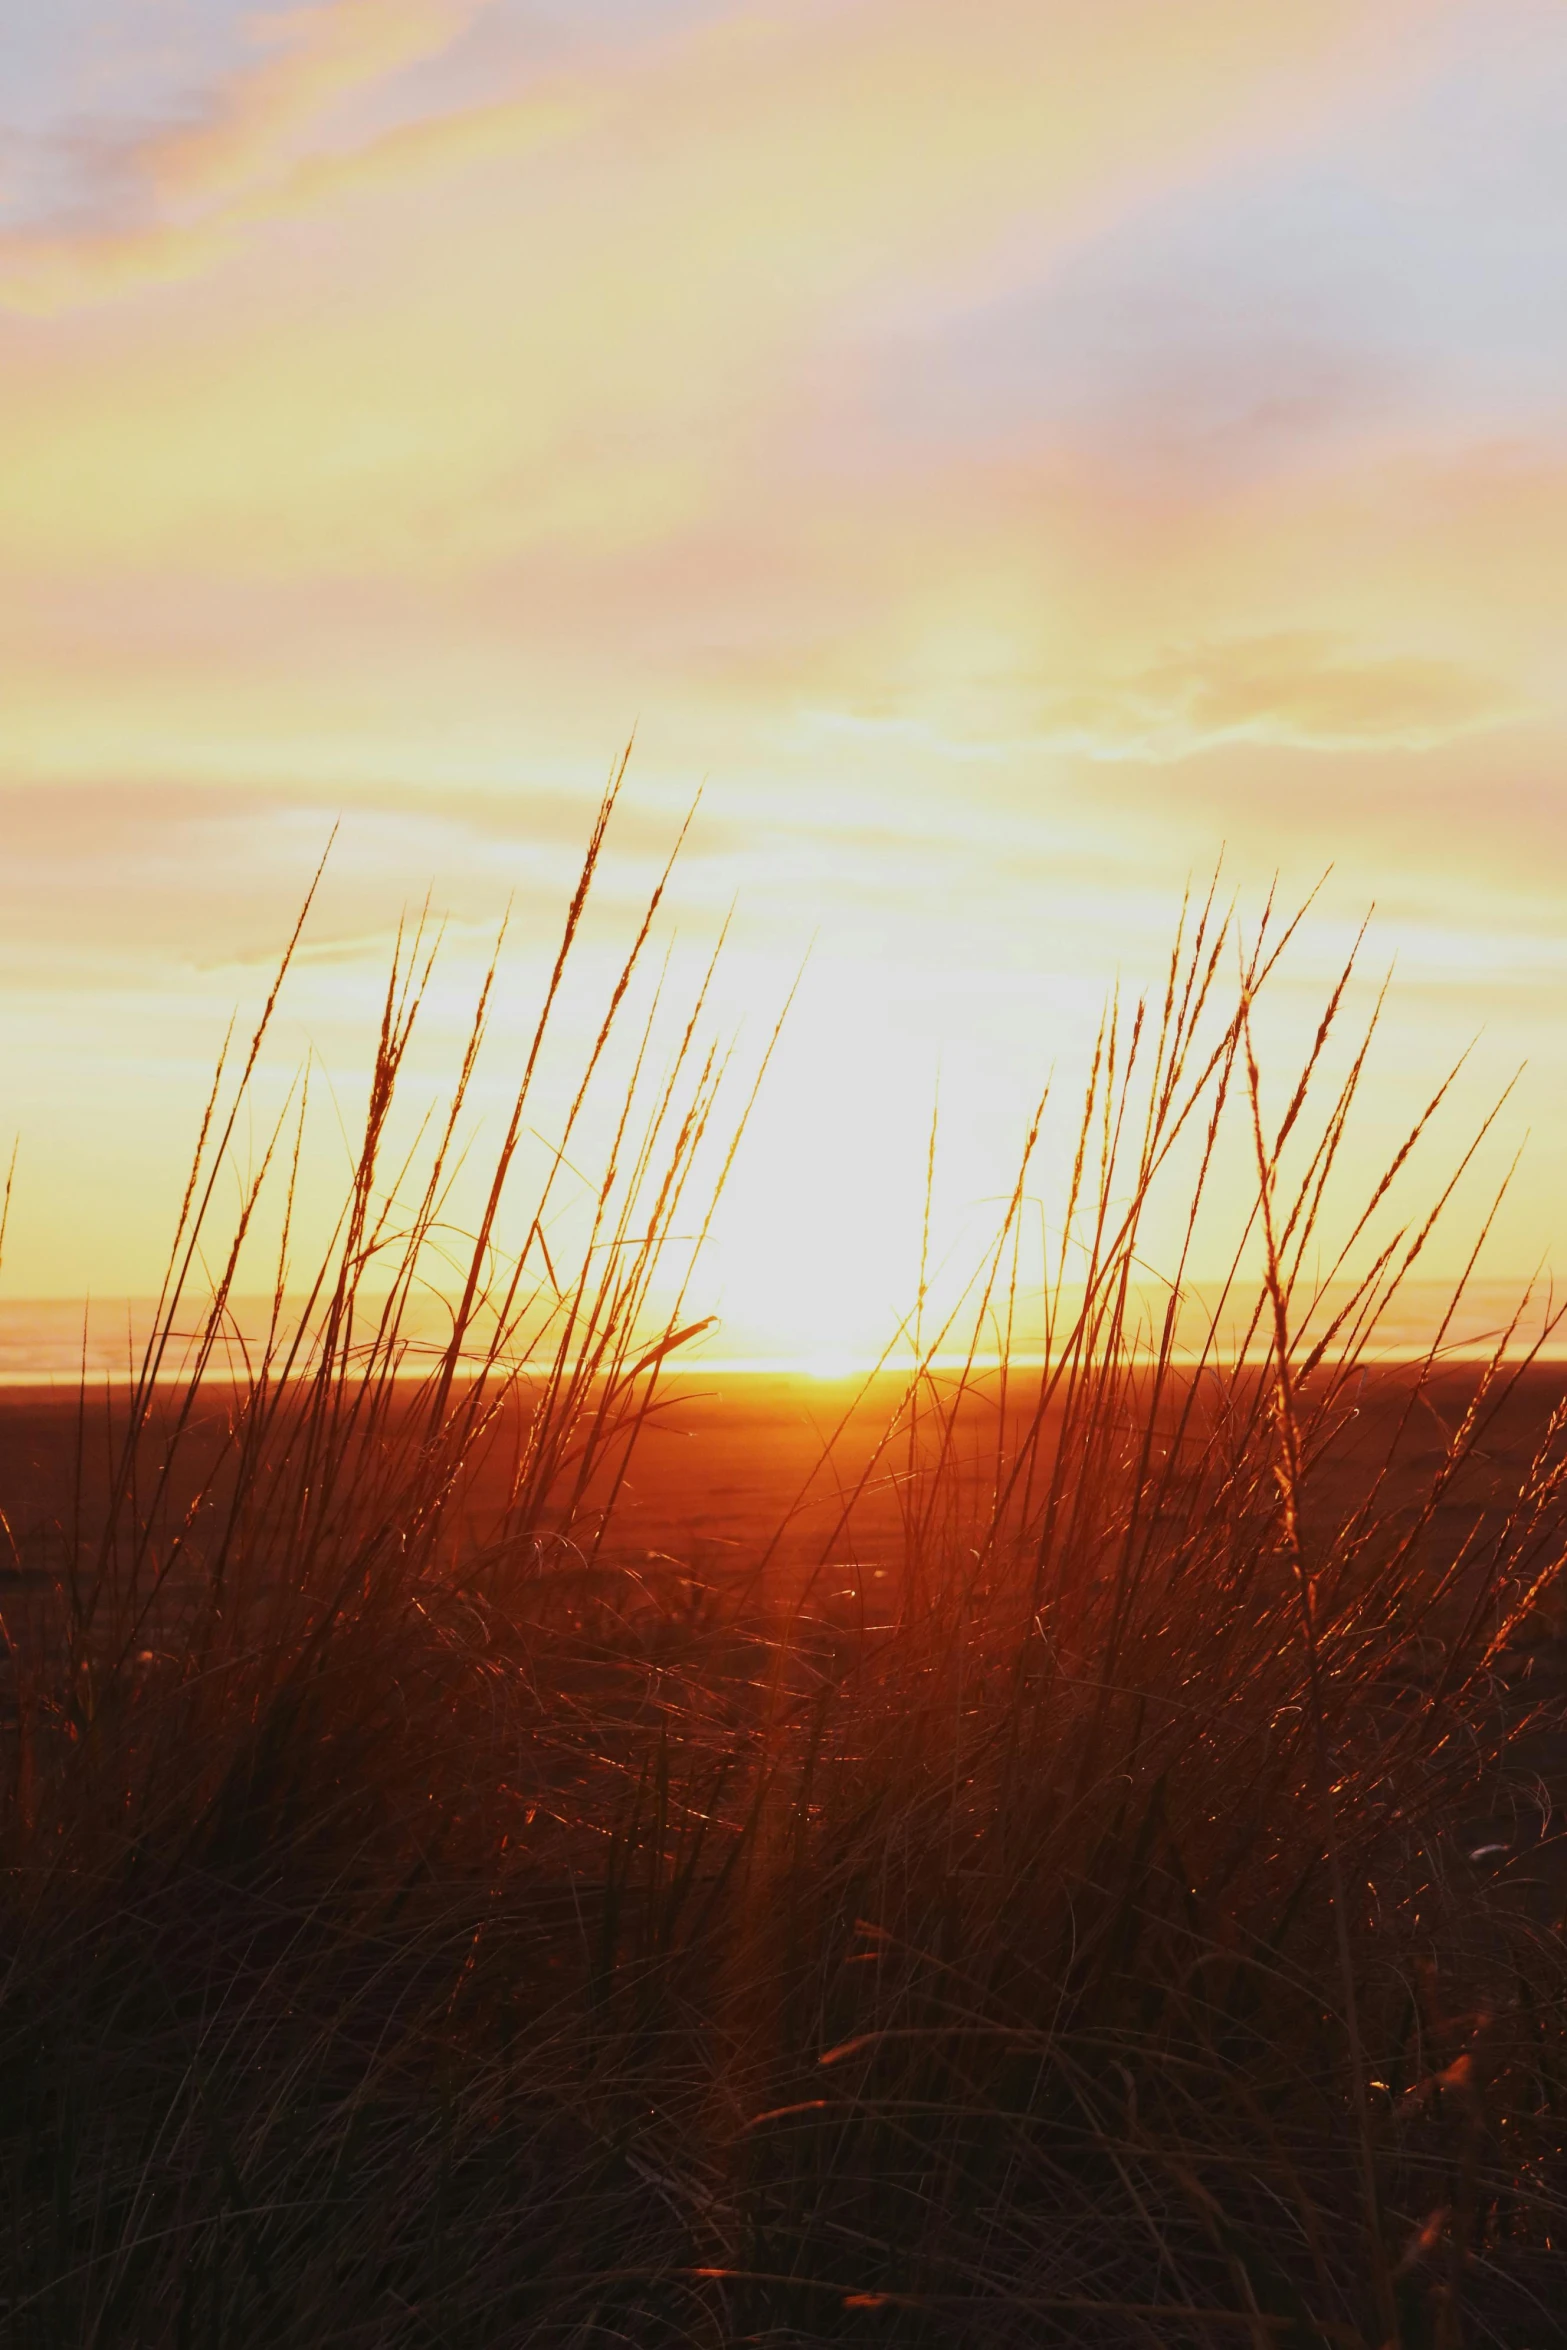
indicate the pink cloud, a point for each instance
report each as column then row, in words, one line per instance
column 313, row 58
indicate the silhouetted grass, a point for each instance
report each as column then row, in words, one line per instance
column 406, row 1942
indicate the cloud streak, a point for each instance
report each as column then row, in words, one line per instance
column 313, row 58
column 174, row 199
column 845, row 138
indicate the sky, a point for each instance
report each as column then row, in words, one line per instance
column 1011, row 457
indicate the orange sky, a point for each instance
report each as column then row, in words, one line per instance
column 1013, row 452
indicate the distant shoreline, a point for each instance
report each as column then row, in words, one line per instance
column 46, row 1344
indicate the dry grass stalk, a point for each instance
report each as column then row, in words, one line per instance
column 403, row 1945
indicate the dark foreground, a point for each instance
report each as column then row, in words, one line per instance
column 953, row 1896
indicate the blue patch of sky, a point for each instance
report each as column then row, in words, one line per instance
column 84, row 82
column 562, row 28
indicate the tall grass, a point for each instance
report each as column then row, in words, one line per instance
column 408, row 1939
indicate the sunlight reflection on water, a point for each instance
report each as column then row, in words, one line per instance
column 52, row 1341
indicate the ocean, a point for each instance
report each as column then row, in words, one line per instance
column 53, row 1342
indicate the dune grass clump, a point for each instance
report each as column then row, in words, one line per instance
column 419, row 1930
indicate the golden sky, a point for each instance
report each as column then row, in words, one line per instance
column 1013, row 451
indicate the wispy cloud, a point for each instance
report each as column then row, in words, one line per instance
column 311, row 59
column 1308, row 690
column 156, row 200
column 846, row 139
